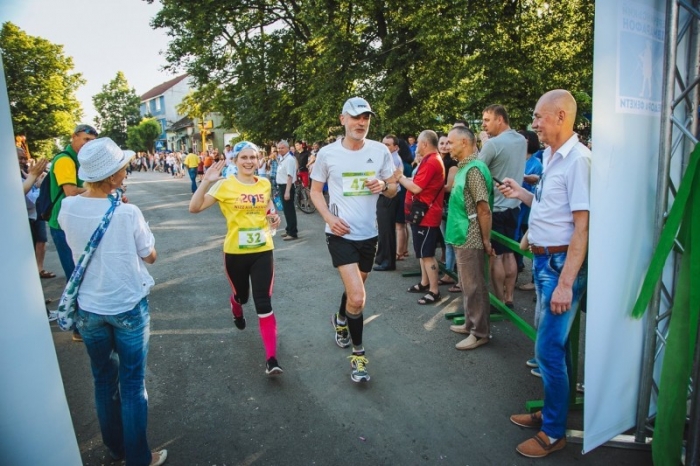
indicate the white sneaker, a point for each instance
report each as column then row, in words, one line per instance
column 158, row 457
column 53, row 315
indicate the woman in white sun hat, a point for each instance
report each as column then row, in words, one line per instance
column 112, row 311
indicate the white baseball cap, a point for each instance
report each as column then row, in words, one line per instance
column 355, row 106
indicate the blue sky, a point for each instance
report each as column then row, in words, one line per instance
column 102, row 36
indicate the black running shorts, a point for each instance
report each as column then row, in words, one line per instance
column 344, row 251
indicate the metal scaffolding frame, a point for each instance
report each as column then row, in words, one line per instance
column 679, row 133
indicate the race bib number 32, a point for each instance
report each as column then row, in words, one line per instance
column 250, row 238
column 354, row 183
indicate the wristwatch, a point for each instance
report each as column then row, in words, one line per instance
column 386, row 186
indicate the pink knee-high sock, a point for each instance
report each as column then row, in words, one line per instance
column 268, row 332
column 236, row 308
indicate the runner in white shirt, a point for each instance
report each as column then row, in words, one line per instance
column 357, row 170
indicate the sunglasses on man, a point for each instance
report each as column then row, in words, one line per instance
column 87, row 129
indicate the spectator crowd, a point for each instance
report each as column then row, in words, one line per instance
column 446, row 194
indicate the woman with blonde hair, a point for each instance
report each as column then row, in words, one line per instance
column 246, row 203
column 112, row 314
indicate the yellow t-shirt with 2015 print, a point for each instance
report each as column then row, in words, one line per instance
column 245, row 207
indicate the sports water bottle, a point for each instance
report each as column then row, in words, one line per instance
column 278, row 202
column 271, row 217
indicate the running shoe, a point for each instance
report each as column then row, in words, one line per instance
column 359, row 371
column 272, row 367
column 342, row 336
column 532, row 363
column 239, row 322
column 53, row 315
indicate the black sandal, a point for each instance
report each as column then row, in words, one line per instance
column 430, row 298
column 418, row 288
column 445, row 282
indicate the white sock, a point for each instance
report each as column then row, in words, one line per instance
column 552, row 440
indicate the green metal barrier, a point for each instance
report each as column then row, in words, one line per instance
column 506, row 313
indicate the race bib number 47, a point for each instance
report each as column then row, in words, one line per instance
column 354, row 183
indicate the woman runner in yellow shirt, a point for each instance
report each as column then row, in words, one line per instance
column 246, row 203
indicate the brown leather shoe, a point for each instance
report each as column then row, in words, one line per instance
column 530, row 420
column 539, row 446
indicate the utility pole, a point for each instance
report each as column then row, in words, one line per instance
column 204, row 127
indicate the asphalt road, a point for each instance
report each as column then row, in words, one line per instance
column 212, row 404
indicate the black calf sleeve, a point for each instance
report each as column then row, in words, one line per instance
column 355, row 326
column 343, row 303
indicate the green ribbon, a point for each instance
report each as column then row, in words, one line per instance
column 510, row 244
column 668, row 236
column 683, row 223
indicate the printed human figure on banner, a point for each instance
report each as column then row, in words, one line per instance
column 641, row 30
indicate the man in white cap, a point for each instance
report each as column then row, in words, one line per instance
column 357, row 171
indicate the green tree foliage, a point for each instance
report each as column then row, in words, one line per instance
column 40, row 86
column 284, row 68
column 197, row 104
column 117, row 108
column 143, row 136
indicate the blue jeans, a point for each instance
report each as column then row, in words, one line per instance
column 65, row 255
column 118, row 346
column 193, row 177
column 552, row 349
column 450, row 257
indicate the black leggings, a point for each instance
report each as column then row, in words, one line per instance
column 257, row 269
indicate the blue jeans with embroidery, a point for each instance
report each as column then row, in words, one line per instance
column 552, row 349
column 118, row 346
